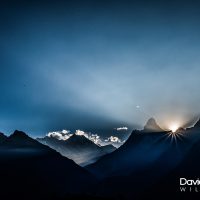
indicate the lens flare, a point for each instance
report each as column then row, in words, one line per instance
column 175, row 134
column 174, row 127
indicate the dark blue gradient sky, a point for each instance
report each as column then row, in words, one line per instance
column 88, row 64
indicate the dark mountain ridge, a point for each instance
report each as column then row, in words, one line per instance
column 141, row 162
column 2, row 137
column 188, row 168
column 147, row 166
column 35, row 171
column 78, row 148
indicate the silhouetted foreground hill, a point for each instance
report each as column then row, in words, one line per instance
column 149, row 165
column 2, row 137
column 188, row 168
column 78, row 148
column 31, row 170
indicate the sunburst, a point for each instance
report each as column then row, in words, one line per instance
column 175, row 136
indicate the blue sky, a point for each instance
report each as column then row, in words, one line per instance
column 90, row 64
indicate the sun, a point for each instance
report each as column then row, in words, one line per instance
column 174, row 127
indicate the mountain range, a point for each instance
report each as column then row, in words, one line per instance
column 31, row 170
column 78, row 148
column 147, row 166
column 2, row 137
column 147, row 157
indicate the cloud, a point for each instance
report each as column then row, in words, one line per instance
column 79, row 132
column 96, row 139
column 65, row 131
column 60, row 135
column 93, row 137
column 113, row 139
column 122, row 128
column 66, row 134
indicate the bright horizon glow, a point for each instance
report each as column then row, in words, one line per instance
column 174, row 127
